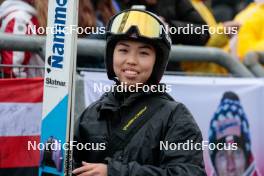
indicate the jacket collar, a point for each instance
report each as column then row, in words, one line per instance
column 113, row 101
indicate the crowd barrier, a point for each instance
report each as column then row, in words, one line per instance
column 32, row 70
column 95, row 48
column 255, row 61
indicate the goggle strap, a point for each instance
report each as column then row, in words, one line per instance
column 123, row 22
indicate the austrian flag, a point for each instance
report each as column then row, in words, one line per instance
column 20, row 122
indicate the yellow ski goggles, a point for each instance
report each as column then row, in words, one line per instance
column 147, row 24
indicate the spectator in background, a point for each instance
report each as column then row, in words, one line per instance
column 16, row 16
column 251, row 35
column 225, row 10
column 100, row 12
column 218, row 39
column 96, row 19
column 42, row 12
column 249, row 23
column 87, row 20
column 87, row 17
column 229, row 129
column 251, row 16
column 176, row 14
column 104, row 9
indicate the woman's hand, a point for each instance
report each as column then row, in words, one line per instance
column 230, row 26
column 89, row 169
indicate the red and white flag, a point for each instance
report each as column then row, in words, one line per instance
column 20, row 121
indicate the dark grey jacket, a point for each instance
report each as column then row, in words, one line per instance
column 170, row 123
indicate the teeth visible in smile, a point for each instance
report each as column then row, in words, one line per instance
column 131, row 72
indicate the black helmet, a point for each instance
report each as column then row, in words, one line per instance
column 139, row 25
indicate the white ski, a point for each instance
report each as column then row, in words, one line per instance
column 59, row 88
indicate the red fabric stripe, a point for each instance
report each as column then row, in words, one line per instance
column 14, row 152
column 35, row 22
column 7, row 56
column 28, row 90
column 28, row 54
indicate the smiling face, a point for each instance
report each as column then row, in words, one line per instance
column 133, row 61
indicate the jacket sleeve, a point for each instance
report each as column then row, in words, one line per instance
column 250, row 37
column 77, row 156
column 79, row 137
column 181, row 128
column 83, row 134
